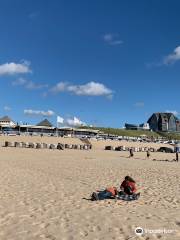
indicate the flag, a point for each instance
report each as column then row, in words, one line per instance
column 60, row 120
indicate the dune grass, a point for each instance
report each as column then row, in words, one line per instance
column 124, row 132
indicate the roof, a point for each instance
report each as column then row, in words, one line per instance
column 6, row 119
column 45, row 123
column 163, row 115
column 131, row 125
column 167, row 115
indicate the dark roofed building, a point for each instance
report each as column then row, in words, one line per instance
column 6, row 119
column 7, row 122
column 164, row 122
column 178, row 125
column 45, row 123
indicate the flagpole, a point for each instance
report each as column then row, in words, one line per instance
column 60, row 120
column 56, row 127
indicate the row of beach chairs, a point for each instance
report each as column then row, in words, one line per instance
column 58, row 146
column 134, row 149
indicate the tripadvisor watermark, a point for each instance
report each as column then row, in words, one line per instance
column 140, row 231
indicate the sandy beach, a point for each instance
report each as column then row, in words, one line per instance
column 44, row 193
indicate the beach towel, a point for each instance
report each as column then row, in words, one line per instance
column 127, row 197
column 102, row 195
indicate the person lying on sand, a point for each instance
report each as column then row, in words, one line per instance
column 108, row 193
column 127, row 192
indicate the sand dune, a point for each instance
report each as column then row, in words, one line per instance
column 44, row 194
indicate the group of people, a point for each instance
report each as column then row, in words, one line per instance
column 127, row 191
column 131, row 154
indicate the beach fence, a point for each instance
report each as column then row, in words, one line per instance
column 58, row 146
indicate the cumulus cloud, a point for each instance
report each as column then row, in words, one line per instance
column 70, row 122
column 15, row 68
column 112, row 39
column 75, row 122
column 173, row 57
column 89, row 89
column 139, row 104
column 7, row 108
column 31, row 85
column 31, row 112
column 28, row 84
column 176, row 113
column 59, row 87
column 19, row 82
column 34, row 15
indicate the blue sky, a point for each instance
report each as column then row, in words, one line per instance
column 103, row 62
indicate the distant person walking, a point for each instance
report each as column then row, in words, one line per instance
column 131, row 154
column 148, row 154
column 177, row 157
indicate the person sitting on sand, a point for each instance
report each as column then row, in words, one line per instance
column 127, row 192
column 128, row 186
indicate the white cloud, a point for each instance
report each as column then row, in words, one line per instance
column 19, row 82
column 139, row 104
column 15, row 68
column 176, row 113
column 28, row 84
column 75, row 122
column 34, row 15
column 89, row 89
column 31, row 112
column 108, row 37
column 7, row 108
column 116, row 42
column 31, row 85
column 112, row 39
column 110, row 97
column 59, row 87
column 173, row 57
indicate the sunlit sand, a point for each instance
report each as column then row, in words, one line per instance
column 44, row 193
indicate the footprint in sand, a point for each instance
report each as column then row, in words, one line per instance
column 97, row 228
column 84, row 233
column 159, row 236
column 149, row 216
